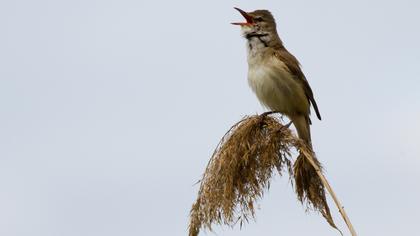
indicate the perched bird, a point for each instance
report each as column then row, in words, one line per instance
column 274, row 74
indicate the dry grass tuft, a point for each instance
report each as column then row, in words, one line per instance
column 240, row 170
column 308, row 184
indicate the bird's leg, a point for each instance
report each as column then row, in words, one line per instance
column 263, row 115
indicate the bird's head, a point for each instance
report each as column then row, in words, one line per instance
column 259, row 22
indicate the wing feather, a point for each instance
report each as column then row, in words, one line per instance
column 293, row 65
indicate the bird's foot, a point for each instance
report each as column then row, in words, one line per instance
column 263, row 115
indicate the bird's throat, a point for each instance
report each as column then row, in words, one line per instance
column 257, row 43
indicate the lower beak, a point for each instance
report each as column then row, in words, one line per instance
column 248, row 18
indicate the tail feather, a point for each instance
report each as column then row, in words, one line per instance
column 301, row 123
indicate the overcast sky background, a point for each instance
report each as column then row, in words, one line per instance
column 110, row 110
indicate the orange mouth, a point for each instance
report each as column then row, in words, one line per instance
column 248, row 18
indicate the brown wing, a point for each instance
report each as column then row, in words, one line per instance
column 293, row 64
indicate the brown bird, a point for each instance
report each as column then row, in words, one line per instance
column 274, row 74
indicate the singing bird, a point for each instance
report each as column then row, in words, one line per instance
column 274, row 74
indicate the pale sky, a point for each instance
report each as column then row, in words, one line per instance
column 110, row 110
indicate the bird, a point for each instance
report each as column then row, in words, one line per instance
column 275, row 75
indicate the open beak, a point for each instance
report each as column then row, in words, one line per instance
column 248, row 18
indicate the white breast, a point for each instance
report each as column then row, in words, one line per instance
column 274, row 86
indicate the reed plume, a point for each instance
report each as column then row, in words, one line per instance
column 241, row 167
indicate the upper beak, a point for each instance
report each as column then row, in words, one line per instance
column 248, row 18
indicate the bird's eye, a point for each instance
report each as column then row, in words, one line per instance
column 258, row 19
